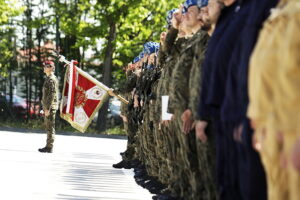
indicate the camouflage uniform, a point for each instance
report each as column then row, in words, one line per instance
column 191, row 183
column 168, row 57
column 50, row 102
column 205, row 151
column 130, row 125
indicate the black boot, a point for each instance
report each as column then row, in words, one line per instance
column 122, row 164
column 46, row 150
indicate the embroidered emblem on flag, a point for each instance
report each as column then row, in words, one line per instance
column 82, row 97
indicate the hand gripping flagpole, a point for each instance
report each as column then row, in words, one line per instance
column 62, row 59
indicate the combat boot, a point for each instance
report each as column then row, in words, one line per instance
column 163, row 197
column 122, row 164
column 46, row 150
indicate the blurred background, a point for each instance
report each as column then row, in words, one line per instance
column 102, row 35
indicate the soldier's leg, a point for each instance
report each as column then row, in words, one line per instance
column 206, row 154
column 187, row 174
column 50, row 128
column 129, row 153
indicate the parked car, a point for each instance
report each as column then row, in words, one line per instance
column 19, row 107
column 113, row 113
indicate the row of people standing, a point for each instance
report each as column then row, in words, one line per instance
column 206, row 150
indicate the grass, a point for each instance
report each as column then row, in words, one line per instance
column 61, row 126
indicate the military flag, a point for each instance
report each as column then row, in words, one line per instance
column 82, row 97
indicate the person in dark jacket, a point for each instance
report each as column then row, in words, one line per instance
column 215, row 70
column 252, row 178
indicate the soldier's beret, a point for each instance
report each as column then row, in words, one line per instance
column 151, row 47
column 170, row 16
column 136, row 59
column 189, row 3
column 202, row 3
column 141, row 55
column 157, row 46
column 48, row 63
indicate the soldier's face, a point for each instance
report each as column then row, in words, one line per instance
column 132, row 67
column 177, row 18
column 145, row 58
column 47, row 70
column 193, row 16
column 129, row 66
column 151, row 58
column 211, row 12
column 163, row 36
column 184, row 26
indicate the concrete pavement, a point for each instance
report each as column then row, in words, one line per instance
column 79, row 169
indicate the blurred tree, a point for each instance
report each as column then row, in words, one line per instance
column 8, row 9
column 126, row 25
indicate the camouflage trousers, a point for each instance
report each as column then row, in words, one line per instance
column 187, row 166
column 50, row 128
column 130, row 152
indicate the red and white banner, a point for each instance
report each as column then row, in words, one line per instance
column 82, row 97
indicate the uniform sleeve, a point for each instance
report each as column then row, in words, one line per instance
column 162, row 56
column 124, row 109
column 179, row 92
column 49, row 94
column 129, row 84
column 170, row 39
column 195, row 77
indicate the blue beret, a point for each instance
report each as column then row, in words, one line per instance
column 170, row 16
column 156, row 46
column 151, row 47
column 202, row 3
column 136, row 59
column 141, row 55
column 187, row 4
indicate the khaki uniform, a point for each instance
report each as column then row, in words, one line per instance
column 50, row 102
column 274, row 85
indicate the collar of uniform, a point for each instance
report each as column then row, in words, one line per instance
column 188, row 36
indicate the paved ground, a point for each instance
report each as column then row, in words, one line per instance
column 79, row 169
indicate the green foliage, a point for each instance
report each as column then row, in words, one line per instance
column 8, row 9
